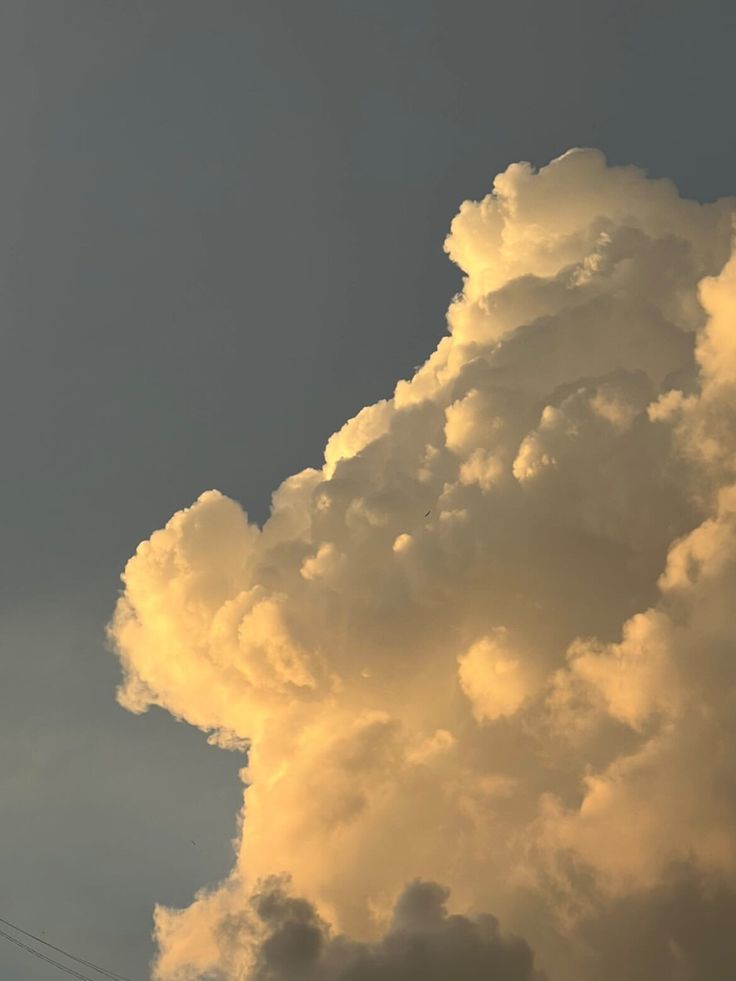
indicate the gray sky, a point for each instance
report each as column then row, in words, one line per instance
column 221, row 235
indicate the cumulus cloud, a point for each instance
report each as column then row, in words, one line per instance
column 422, row 943
column 489, row 642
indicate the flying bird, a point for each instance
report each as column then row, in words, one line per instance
column 427, row 514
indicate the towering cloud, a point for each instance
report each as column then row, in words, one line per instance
column 490, row 643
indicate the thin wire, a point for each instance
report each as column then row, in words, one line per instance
column 60, row 950
column 49, row 960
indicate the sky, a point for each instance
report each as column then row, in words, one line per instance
column 222, row 237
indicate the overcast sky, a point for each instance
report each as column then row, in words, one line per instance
column 221, row 235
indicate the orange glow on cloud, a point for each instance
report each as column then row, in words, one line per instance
column 525, row 695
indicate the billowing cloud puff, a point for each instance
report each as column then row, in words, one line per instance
column 494, row 678
column 490, row 642
column 283, row 938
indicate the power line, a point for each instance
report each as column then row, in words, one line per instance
column 49, row 960
column 60, row 950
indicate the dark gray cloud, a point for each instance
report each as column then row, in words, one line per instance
column 422, row 943
column 682, row 931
